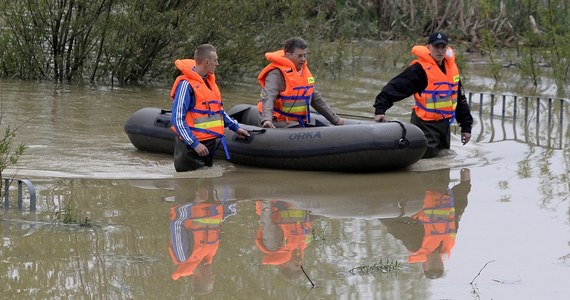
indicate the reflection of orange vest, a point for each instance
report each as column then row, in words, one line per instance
column 195, row 225
column 439, row 99
column 205, row 119
column 294, row 101
column 438, row 218
column 296, row 229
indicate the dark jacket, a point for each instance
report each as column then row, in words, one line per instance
column 414, row 80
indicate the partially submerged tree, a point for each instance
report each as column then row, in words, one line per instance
column 9, row 152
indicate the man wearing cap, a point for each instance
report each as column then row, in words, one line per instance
column 433, row 79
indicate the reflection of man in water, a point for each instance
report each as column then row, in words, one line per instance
column 195, row 233
column 429, row 235
column 283, row 235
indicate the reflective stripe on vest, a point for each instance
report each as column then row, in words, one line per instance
column 438, row 214
column 208, row 221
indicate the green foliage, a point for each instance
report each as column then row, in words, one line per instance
column 136, row 41
column 68, row 216
column 488, row 39
column 488, row 45
column 545, row 41
column 554, row 18
column 51, row 39
column 529, row 66
column 9, row 154
column 334, row 20
column 322, row 231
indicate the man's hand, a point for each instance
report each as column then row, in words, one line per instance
column 465, row 137
column 267, row 124
column 465, row 174
column 202, row 150
column 242, row 133
column 380, row 118
column 339, row 122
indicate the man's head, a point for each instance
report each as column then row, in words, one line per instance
column 206, row 59
column 433, row 266
column 296, row 51
column 437, row 45
column 203, row 279
column 291, row 269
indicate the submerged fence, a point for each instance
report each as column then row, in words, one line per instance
column 532, row 120
column 21, row 182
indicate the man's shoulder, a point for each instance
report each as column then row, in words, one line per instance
column 415, row 66
column 411, row 70
column 274, row 75
column 275, row 71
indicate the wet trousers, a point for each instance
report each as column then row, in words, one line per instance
column 186, row 159
column 437, row 134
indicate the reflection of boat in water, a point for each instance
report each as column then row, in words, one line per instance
column 366, row 196
column 359, row 146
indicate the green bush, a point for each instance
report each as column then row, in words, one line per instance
column 9, row 153
column 137, row 41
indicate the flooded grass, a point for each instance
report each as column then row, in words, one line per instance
column 383, row 266
column 70, row 216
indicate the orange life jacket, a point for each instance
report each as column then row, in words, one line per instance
column 438, row 218
column 439, row 99
column 295, row 100
column 296, row 228
column 205, row 119
column 196, row 225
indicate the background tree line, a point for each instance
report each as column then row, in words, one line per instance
column 136, row 41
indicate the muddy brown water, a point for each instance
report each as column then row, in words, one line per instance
column 496, row 209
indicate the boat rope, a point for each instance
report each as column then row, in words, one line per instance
column 403, row 142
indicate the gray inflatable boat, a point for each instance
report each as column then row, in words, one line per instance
column 357, row 146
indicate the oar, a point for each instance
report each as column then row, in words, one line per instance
column 312, row 283
column 349, row 115
column 355, row 116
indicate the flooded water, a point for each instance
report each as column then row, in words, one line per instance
column 488, row 220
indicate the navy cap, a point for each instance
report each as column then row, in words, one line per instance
column 437, row 38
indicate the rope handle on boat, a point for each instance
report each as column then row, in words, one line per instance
column 250, row 138
column 403, row 142
column 257, row 130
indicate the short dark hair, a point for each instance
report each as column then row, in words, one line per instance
column 203, row 52
column 295, row 43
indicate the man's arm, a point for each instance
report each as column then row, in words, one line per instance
column 412, row 80
column 230, row 122
column 463, row 111
column 274, row 84
column 183, row 101
column 460, row 193
column 323, row 108
column 233, row 125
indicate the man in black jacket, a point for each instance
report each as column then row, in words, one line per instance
column 433, row 79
